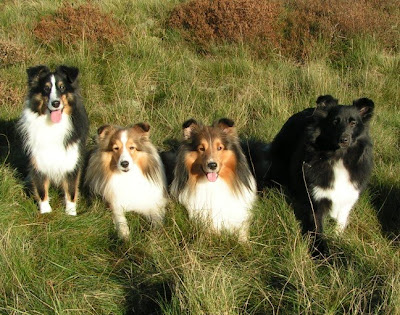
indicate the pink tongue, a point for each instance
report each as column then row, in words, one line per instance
column 212, row 177
column 55, row 116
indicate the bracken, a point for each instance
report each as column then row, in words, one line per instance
column 11, row 53
column 290, row 26
column 204, row 21
column 71, row 25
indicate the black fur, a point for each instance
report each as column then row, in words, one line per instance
column 256, row 153
column 303, row 152
column 67, row 90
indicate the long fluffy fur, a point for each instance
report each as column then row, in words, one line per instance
column 142, row 188
column 228, row 200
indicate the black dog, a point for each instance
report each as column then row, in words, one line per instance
column 324, row 157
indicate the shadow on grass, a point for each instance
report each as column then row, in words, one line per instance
column 386, row 201
column 145, row 297
column 11, row 152
column 146, row 289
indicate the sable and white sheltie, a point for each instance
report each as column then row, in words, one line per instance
column 212, row 178
column 324, row 156
column 126, row 170
column 54, row 127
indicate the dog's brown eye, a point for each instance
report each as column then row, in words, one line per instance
column 353, row 123
column 220, row 148
column 131, row 148
column 46, row 89
column 202, row 149
column 62, row 88
column 115, row 148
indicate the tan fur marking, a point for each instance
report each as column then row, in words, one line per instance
column 67, row 108
column 65, row 187
column 41, row 100
column 141, row 161
column 228, row 166
column 193, row 165
column 46, row 185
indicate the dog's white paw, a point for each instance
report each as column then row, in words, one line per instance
column 44, row 207
column 70, row 208
column 123, row 231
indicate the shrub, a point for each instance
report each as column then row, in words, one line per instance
column 71, row 25
column 203, row 21
column 291, row 26
column 11, row 53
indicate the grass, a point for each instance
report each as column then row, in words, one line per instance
column 56, row 264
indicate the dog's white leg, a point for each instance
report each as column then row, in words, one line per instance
column 44, row 206
column 341, row 220
column 41, row 189
column 120, row 222
column 70, row 185
column 70, row 207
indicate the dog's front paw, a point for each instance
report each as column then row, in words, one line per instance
column 44, row 207
column 70, row 208
column 123, row 231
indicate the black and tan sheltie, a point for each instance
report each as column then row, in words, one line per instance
column 126, row 170
column 54, row 127
column 212, row 178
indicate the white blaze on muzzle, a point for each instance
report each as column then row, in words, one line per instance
column 125, row 161
column 55, row 104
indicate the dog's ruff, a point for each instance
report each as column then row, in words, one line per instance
column 216, row 203
column 45, row 142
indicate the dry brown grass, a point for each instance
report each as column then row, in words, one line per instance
column 10, row 96
column 204, row 21
column 11, row 53
column 71, row 25
column 336, row 21
column 291, row 26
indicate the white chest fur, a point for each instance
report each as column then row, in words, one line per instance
column 342, row 193
column 132, row 191
column 215, row 201
column 44, row 140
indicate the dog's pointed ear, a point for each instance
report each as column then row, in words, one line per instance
column 188, row 126
column 227, row 126
column 142, row 128
column 70, row 72
column 365, row 107
column 35, row 73
column 103, row 132
column 325, row 101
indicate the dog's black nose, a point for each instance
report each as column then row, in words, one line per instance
column 212, row 165
column 124, row 164
column 55, row 104
column 344, row 139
